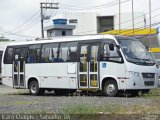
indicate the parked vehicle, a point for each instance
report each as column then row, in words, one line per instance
column 105, row 63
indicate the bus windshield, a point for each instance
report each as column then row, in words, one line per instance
column 156, row 56
column 135, row 52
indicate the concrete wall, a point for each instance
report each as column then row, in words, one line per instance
column 52, row 33
column 126, row 20
column 86, row 22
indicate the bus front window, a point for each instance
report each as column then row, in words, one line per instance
column 135, row 52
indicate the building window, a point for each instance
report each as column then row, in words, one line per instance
column 50, row 34
column 63, row 33
column 73, row 21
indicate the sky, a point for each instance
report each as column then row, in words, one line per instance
column 20, row 19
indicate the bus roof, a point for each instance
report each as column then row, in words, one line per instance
column 65, row 39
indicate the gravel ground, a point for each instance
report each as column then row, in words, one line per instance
column 19, row 101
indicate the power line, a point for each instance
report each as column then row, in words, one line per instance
column 124, row 28
column 137, row 17
column 103, row 5
column 140, row 28
column 20, row 35
column 26, row 21
column 46, row 6
column 127, row 21
column 36, row 21
column 35, row 24
column 111, row 4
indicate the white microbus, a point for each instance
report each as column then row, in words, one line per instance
column 94, row 63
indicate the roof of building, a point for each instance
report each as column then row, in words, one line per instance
column 129, row 32
column 57, row 26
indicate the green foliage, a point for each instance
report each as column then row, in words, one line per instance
column 88, row 109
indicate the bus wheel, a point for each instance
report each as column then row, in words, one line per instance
column 110, row 88
column 145, row 91
column 60, row 92
column 34, row 88
column 135, row 93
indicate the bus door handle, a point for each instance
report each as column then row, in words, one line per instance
column 45, row 77
column 59, row 77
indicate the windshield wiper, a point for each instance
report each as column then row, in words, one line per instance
column 136, row 60
column 142, row 61
column 148, row 61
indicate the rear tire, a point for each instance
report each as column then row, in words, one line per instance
column 64, row 91
column 110, row 88
column 60, row 92
column 34, row 88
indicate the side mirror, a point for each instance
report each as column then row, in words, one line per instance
column 147, row 48
column 111, row 47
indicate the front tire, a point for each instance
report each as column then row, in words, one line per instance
column 110, row 88
column 34, row 88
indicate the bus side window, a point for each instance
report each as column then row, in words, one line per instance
column 114, row 56
column 8, row 58
column 33, row 54
column 49, row 53
column 63, row 52
column 110, row 54
column 106, row 51
column 72, row 51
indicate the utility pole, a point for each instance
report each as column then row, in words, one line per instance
column 150, row 22
column 46, row 6
column 133, row 17
column 119, row 16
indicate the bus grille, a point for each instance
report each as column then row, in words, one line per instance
column 148, row 75
column 149, row 83
column 149, row 79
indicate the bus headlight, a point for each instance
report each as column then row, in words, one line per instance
column 137, row 74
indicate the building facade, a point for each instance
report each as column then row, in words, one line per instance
column 94, row 23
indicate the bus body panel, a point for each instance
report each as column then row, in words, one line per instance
column 53, row 75
column 57, row 75
column 135, row 74
column 113, row 70
column 7, row 75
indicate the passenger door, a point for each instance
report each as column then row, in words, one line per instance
column 19, row 67
column 88, row 72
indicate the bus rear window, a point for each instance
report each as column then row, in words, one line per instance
column 8, row 58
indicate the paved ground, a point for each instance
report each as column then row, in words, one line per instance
column 19, row 101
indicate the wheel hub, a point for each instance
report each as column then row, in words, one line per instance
column 111, row 88
column 33, row 88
